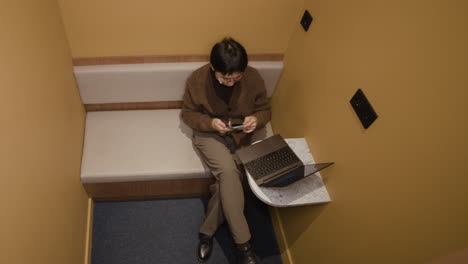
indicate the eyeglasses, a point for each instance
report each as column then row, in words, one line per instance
column 229, row 79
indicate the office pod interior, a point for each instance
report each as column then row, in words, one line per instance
column 397, row 187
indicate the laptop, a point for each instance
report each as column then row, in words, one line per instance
column 272, row 163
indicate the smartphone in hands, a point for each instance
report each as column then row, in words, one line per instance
column 236, row 126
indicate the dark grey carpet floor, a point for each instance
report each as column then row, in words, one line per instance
column 166, row 231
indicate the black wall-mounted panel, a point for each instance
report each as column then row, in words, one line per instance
column 306, row 20
column 363, row 109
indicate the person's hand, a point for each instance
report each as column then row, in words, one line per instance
column 250, row 124
column 219, row 126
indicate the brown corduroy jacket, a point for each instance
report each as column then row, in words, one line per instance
column 201, row 104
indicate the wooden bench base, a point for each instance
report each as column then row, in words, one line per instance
column 148, row 189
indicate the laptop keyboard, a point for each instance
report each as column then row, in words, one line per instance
column 271, row 162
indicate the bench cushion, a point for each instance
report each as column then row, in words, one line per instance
column 150, row 82
column 140, row 145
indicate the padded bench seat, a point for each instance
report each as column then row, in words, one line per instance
column 142, row 146
column 138, row 145
column 147, row 153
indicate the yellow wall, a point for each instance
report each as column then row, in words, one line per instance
column 398, row 188
column 43, row 205
column 155, row 27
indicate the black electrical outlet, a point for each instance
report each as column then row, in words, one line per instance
column 306, row 20
column 363, row 109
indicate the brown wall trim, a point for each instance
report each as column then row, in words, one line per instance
column 148, row 189
column 163, row 58
column 133, row 106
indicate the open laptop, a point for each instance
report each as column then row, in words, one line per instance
column 272, row 163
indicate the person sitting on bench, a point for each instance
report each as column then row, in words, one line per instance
column 225, row 101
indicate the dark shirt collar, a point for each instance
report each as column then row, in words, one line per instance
column 222, row 91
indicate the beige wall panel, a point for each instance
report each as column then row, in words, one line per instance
column 148, row 27
column 399, row 187
column 43, row 205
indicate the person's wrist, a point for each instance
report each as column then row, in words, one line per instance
column 216, row 124
column 213, row 123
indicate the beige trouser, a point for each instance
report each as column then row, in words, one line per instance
column 227, row 194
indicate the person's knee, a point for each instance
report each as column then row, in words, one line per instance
column 230, row 174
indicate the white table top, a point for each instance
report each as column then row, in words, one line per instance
column 310, row 190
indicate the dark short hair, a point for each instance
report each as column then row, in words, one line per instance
column 228, row 56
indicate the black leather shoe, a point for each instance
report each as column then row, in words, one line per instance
column 205, row 246
column 246, row 254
